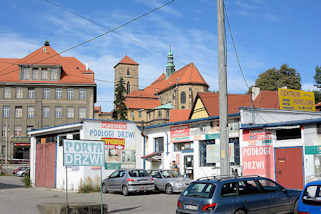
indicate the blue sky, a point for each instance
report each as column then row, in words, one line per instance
column 267, row 34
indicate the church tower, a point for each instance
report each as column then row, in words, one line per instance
column 170, row 67
column 128, row 70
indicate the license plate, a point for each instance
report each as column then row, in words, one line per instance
column 191, row 207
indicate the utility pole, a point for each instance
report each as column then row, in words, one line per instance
column 224, row 148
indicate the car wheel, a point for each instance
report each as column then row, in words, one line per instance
column 124, row 190
column 105, row 189
column 239, row 212
column 169, row 189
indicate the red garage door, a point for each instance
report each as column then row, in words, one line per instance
column 289, row 167
column 45, row 165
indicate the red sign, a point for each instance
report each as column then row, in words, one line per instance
column 258, row 160
column 114, row 143
column 113, row 125
column 259, row 134
column 180, row 133
column 22, row 144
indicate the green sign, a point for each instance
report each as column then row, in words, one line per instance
column 212, row 136
column 312, row 150
column 112, row 165
column 84, row 153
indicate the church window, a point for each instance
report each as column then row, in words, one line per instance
column 128, row 72
column 183, row 97
column 128, row 88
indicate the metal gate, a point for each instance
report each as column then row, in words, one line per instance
column 45, row 165
column 289, row 167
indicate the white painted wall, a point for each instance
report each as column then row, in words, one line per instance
column 33, row 160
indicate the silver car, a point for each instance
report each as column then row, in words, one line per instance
column 169, row 181
column 127, row 181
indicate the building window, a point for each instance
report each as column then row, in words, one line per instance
column 140, row 114
column 31, row 93
column 35, row 74
column 31, row 112
column 128, row 88
column 234, row 125
column 70, row 93
column 167, row 114
column 82, row 94
column 159, row 114
column 6, row 111
column 53, row 75
column 26, row 73
column 18, row 111
column 128, row 72
column 132, row 115
column 82, row 113
column 19, row 93
column 209, row 153
column 182, row 146
column 7, row 93
column 159, row 144
column 70, row 112
column 234, row 151
column 58, row 93
column 4, row 131
column 46, row 93
column 18, row 131
column 288, row 134
column 59, row 112
column 44, row 74
column 183, row 97
column 29, row 128
column 45, row 112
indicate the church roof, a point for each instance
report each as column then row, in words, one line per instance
column 127, row 60
column 141, row 103
column 73, row 71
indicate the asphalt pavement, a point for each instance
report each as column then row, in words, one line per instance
column 16, row 199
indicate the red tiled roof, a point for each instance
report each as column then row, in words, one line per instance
column 97, row 109
column 141, row 103
column 178, row 115
column 74, row 72
column 142, row 93
column 126, row 60
column 266, row 99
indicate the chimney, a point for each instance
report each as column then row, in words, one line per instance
column 86, row 64
column 255, row 92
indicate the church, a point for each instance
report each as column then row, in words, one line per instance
column 168, row 99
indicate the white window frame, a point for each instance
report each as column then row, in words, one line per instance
column 70, row 112
column 18, row 130
column 31, row 112
column 46, row 112
column 7, row 93
column 6, row 111
column 58, row 114
column 31, row 93
column 82, row 113
column 19, row 93
column 82, row 93
column 18, row 111
column 46, row 93
column 70, row 93
column 58, row 93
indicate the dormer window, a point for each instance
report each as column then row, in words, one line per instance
column 47, row 72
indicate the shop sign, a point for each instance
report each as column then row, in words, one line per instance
column 212, row 136
column 114, row 143
column 22, row 144
column 180, row 133
column 112, row 166
column 291, row 99
column 257, row 137
column 258, row 160
column 312, row 150
column 83, row 153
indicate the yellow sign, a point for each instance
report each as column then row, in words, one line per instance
column 291, row 99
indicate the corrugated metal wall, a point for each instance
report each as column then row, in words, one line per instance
column 45, row 165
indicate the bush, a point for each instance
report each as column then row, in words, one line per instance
column 88, row 186
column 27, row 181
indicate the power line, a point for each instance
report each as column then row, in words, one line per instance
column 103, row 34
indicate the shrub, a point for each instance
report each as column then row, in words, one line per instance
column 27, row 181
column 88, row 186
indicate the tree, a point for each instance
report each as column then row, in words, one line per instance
column 273, row 78
column 120, row 111
column 317, row 77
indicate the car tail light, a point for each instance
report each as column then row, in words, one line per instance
column 130, row 180
column 179, row 204
column 303, row 212
column 209, row 206
column 152, row 179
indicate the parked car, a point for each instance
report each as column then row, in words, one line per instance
column 310, row 198
column 169, row 181
column 127, row 181
column 236, row 195
column 23, row 172
column 18, row 169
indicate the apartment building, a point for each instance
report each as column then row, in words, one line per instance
column 40, row 90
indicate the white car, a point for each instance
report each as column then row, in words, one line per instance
column 22, row 172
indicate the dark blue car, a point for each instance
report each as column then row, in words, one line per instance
column 236, row 195
column 310, row 199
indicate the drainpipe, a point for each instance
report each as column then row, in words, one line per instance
column 167, row 152
column 144, row 143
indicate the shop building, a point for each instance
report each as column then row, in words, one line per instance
column 122, row 150
column 282, row 145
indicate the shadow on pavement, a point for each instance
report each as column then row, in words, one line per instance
column 10, row 186
column 124, row 209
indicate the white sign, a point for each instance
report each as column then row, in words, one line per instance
column 83, row 153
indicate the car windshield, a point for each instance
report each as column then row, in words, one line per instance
column 170, row 174
column 200, row 190
column 137, row 173
column 312, row 195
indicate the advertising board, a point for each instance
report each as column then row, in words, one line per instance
column 180, row 133
column 291, row 99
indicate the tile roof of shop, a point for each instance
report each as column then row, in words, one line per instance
column 176, row 115
column 73, row 71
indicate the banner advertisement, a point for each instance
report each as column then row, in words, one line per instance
column 257, row 137
column 291, row 99
column 83, row 153
column 180, row 133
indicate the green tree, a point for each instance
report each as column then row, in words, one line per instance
column 273, row 78
column 120, row 111
column 317, row 76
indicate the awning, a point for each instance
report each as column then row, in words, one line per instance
column 155, row 156
column 22, row 144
